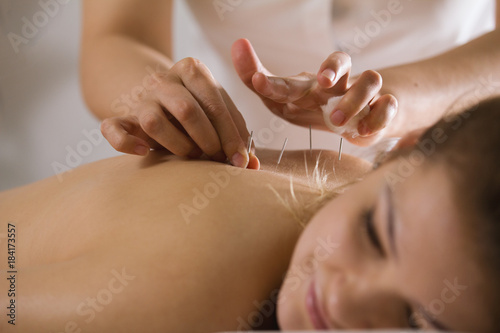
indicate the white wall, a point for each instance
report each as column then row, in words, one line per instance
column 42, row 113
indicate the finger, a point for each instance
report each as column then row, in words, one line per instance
column 206, row 91
column 254, row 162
column 357, row 97
column 237, row 117
column 154, row 122
column 246, row 62
column 117, row 131
column 283, row 89
column 186, row 110
column 382, row 111
column 335, row 69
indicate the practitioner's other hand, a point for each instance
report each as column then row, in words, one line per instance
column 298, row 99
column 189, row 114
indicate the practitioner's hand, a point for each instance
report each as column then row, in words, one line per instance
column 298, row 99
column 188, row 113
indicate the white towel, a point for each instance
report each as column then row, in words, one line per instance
column 350, row 129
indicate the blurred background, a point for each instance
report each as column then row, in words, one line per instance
column 42, row 113
column 45, row 126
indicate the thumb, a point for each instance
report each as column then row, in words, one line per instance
column 246, row 62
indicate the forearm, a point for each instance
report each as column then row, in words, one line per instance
column 429, row 89
column 115, row 71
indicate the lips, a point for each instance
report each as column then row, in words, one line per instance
column 313, row 308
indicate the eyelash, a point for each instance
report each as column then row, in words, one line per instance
column 412, row 321
column 370, row 230
column 369, row 227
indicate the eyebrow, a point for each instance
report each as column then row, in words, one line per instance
column 390, row 220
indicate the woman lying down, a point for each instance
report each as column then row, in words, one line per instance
column 164, row 244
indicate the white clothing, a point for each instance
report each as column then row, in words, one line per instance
column 292, row 36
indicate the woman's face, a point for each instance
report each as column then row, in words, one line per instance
column 391, row 248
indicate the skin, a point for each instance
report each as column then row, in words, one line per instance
column 184, row 109
column 299, row 98
column 195, row 274
column 116, row 216
column 364, row 286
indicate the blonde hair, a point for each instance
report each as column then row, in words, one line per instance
column 303, row 209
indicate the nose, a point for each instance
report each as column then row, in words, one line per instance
column 362, row 301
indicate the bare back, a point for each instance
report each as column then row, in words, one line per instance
column 161, row 243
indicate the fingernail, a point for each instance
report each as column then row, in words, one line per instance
column 329, row 74
column 141, row 150
column 338, row 118
column 240, row 158
column 363, row 129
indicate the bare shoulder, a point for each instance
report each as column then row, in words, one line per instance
column 306, row 164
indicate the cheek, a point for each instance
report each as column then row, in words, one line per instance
column 290, row 310
column 291, row 301
column 316, row 247
column 327, row 232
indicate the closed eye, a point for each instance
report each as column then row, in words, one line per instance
column 371, row 231
column 414, row 322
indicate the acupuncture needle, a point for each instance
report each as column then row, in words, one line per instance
column 250, row 141
column 340, row 148
column 310, row 141
column 282, row 150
